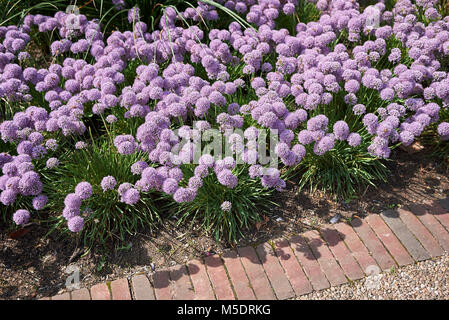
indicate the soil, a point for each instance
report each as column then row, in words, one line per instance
column 33, row 266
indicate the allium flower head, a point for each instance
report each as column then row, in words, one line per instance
column 83, row 190
column 80, row 145
column 226, row 206
column 39, row 202
column 75, row 224
column 108, row 183
column 52, row 163
column 130, row 196
column 21, row 216
column 341, row 130
column 354, row 139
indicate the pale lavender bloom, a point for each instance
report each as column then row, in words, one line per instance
column 83, row 190
column 108, row 183
column 39, row 202
column 354, row 139
column 130, row 196
column 226, row 206
column 80, row 145
column 75, row 224
column 52, row 163
column 21, row 216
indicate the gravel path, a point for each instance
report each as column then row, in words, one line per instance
column 426, row 280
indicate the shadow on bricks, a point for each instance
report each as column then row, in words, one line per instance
column 334, row 237
column 300, row 245
column 417, row 209
column 280, row 251
column 193, row 268
column 356, row 222
column 177, row 272
column 214, row 261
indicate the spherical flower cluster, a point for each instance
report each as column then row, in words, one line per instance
column 298, row 93
column 108, row 183
column 21, row 217
column 226, row 206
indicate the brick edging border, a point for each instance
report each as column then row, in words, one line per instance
column 287, row 268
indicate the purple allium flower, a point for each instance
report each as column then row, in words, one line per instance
column 195, row 182
column 38, row 152
column 69, row 213
column 226, row 178
column 341, row 130
column 359, row 109
column 124, row 187
column 83, row 190
column 170, row 186
column 30, row 184
column 80, row 145
column 443, row 130
column 52, row 163
column 39, row 202
column 125, row 144
column 305, row 137
column 8, row 197
column 21, row 216
column 138, row 167
column 354, row 139
column 318, row 122
column 108, row 183
column 184, row 195
column 75, row 224
column 299, row 150
column 352, row 86
column 131, row 196
column 111, row 118
column 387, row 94
column 226, row 206
column 72, row 200
column 323, row 145
column 406, row 137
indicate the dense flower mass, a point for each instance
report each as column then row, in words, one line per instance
column 293, row 81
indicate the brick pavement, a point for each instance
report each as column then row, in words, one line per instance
column 285, row 268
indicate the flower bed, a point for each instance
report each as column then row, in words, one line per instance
column 118, row 130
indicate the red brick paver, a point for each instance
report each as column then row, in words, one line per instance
column 356, row 246
column 200, row 280
column 142, row 288
column 309, row 263
column 331, row 269
column 120, row 289
column 62, row 296
column 420, row 231
column 100, row 292
column 162, row 287
column 219, row 278
column 292, row 268
column 237, row 274
column 404, row 235
column 274, row 271
column 341, row 253
column 439, row 212
column 390, row 241
column 369, row 238
column 432, row 224
column 256, row 273
column 181, row 285
column 81, row 294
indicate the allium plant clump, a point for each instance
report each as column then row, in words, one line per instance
column 111, row 126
